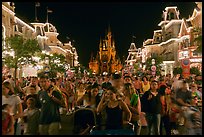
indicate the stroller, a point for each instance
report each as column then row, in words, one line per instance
column 126, row 130
column 84, row 120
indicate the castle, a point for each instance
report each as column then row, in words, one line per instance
column 106, row 60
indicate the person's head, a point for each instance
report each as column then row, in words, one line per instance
column 194, row 87
column 128, row 87
column 178, row 76
column 162, row 79
column 136, row 78
column 44, row 82
column 144, row 78
column 184, row 85
column 154, row 85
column 94, row 91
column 32, row 89
column 105, row 78
column 200, row 88
column 163, row 90
column 30, row 102
column 7, row 88
column 9, row 76
column 194, row 100
column 112, row 92
column 34, row 81
column 127, row 79
column 117, row 81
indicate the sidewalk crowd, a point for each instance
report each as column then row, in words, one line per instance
column 33, row 105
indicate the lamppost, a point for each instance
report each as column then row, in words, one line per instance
column 153, row 68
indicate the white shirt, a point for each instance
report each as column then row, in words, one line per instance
column 12, row 100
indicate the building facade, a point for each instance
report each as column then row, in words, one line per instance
column 45, row 33
column 175, row 40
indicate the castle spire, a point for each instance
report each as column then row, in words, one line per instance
column 101, row 43
column 91, row 59
column 109, row 28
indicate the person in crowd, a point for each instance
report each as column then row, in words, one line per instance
column 193, row 116
column 168, row 79
column 7, row 120
column 177, row 82
column 106, row 82
column 59, row 87
column 8, row 97
column 183, row 97
column 151, row 105
column 132, row 100
column 95, row 94
column 71, row 99
column 34, row 95
column 127, row 79
column 114, row 110
column 67, row 92
column 86, row 98
column 145, row 85
column 51, row 100
column 18, row 90
column 164, row 92
column 31, row 118
column 162, row 81
column 10, row 80
column 195, row 92
column 80, row 91
column 137, row 84
column 33, row 82
column 117, row 82
column 91, row 97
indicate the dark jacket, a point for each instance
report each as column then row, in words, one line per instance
column 151, row 106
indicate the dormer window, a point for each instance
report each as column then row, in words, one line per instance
column 170, row 16
column 38, row 31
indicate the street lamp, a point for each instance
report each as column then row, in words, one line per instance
column 153, row 61
column 153, row 68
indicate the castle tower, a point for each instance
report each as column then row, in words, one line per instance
column 106, row 57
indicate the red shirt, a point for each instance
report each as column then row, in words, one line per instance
column 6, row 121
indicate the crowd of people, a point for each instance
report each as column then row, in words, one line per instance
column 33, row 105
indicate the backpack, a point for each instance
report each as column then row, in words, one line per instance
column 134, row 100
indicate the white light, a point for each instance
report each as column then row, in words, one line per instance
column 8, row 10
column 25, row 24
column 196, row 60
column 153, row 61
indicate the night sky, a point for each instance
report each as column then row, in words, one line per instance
column 84, row 23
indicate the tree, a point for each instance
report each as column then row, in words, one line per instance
column 23, row 51
column 198, row 40
column 56, row 63
column 195, row 70
column 158, row 62
column 177, row 70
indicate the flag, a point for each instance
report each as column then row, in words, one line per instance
column 49, row 11
column 37, row 4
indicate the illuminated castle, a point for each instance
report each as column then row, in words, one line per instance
column 106, row 60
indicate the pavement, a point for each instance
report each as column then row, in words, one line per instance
column 67, row 123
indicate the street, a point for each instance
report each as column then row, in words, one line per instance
column 67, row 123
